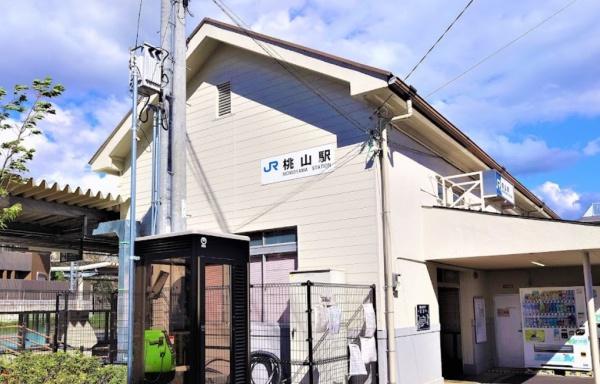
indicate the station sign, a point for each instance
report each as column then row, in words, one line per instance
column 295, row 165
column 496, row 186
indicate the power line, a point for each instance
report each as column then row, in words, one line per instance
column 246, row 29
column 511, row 42
column 439, row 39
column 137, row 32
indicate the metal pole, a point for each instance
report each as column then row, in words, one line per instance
column 387, row 259
column 72, row 277
column 156, row 155
column 66, row 320
column 309, row 339
column 178, row 127
column 132, row 222
column 56, row 320
column 591, row 315
column 166, row 38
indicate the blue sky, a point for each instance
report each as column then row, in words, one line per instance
column 535, row 106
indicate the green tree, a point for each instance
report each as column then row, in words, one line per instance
column 19, row 118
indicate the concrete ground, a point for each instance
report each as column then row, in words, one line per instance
column 519, row 378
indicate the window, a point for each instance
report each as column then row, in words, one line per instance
column 273, row 255
column 224, row 99
column 280, row 237
column 272, row 237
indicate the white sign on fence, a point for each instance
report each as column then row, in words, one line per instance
column 309, row 162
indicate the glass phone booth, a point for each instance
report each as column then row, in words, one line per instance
column 191, row 309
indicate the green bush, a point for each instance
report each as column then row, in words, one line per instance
column 59, row 368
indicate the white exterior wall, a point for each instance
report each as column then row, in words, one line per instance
column 273, row 114
column 143, row 177
column 337, row 215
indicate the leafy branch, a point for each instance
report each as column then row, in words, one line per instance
column 19, row 120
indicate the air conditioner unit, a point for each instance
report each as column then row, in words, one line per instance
column 149, row 61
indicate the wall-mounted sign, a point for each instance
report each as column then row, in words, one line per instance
column 496, row 186
column 309, row 162
column 480, row 325
column 423, row 319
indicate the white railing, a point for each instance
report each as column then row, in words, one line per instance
column 463, row 191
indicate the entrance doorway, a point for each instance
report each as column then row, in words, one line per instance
column 216, row 328
column 509, row 337
column 449, row 304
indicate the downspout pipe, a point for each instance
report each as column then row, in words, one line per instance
column 384, row 163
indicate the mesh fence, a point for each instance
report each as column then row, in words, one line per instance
column 300, row 333
column 52, row 321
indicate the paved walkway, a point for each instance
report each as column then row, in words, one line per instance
column 504, row 378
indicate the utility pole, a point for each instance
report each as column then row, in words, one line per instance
column 132, row 222
column 178, row 119
column 166, row 42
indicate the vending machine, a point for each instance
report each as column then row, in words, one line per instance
column 555, row 332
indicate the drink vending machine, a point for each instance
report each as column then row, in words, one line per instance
column 555, row 331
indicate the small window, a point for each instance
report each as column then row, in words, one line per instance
column 224, row 99
column 281, row 236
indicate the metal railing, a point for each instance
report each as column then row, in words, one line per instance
column 51, row 321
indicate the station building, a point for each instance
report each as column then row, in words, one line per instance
column 282, row 146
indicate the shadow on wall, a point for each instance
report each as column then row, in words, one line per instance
column 271, row 87
column 204, row 184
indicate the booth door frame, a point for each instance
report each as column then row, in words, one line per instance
column 239, row 334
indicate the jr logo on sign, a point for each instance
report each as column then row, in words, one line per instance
column 272, row 166
column 294, row 165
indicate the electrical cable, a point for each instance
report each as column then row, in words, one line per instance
column 426, row 54
column 144, row 110
column 439, row 39
column 497, row 51
column 246, row 30
column 137, row 32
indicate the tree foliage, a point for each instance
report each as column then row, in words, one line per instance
column 20, row 115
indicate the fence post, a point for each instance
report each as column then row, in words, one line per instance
column 22, row 331
column 112, row 343
column 66, row 322
column 310, row 331
column 56, row 320
column 375, row 365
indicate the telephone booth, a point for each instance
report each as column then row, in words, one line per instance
column 191, row 309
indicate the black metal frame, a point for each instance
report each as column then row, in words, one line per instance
column 200, row 249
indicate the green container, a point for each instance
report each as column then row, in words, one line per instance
column 159, row 355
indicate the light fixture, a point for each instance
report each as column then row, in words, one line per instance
column 538, row 264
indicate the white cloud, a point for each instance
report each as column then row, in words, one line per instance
column 592, row 148
column 530, row 155
column 549, row 75
column 70, row 139
column 565, row 201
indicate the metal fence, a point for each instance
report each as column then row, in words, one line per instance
column 300, row 333
column 51, row 321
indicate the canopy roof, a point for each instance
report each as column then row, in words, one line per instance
column 483, row 240
column 59, row 218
